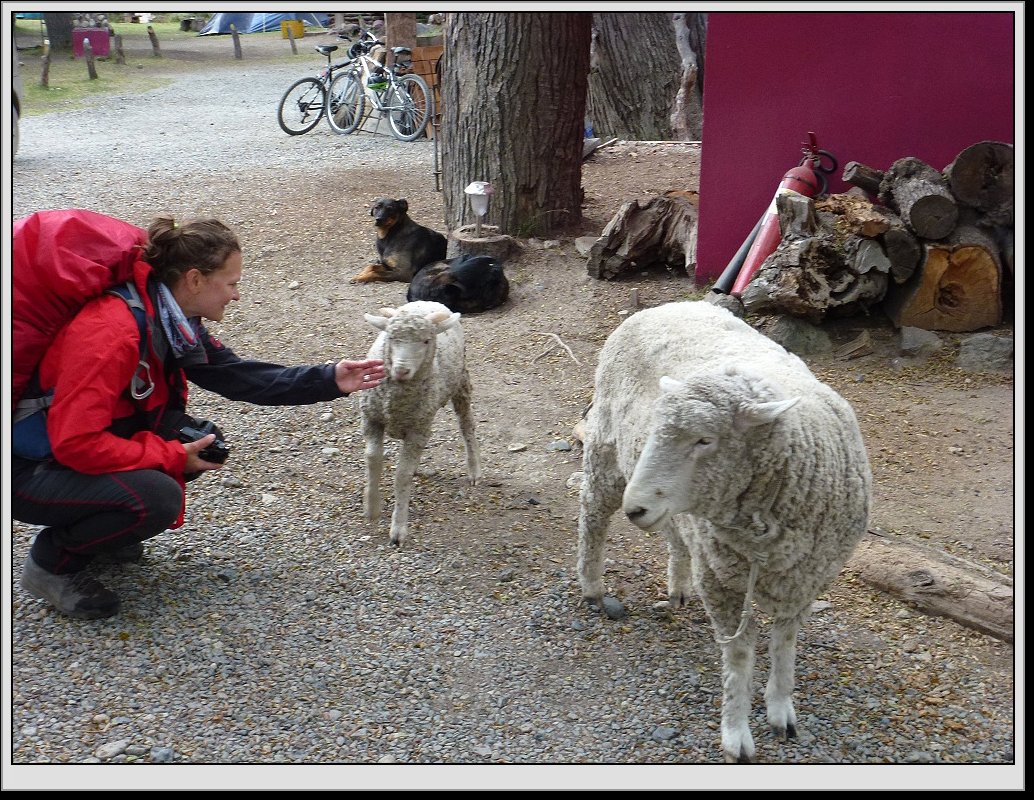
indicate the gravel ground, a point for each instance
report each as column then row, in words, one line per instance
column 275, row 628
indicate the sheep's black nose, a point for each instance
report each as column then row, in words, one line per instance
column 634, row 513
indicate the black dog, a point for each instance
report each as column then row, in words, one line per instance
column 467, row 284
column 403, row 246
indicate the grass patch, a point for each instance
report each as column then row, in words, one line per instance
column 182, row 52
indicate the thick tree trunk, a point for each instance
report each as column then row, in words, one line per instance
column 399, row 31
column 635, row 77
column 687, row 119
column 513, row 109
column 59, row 29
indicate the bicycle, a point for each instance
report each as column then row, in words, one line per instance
column 402, row 96
column 304, row 103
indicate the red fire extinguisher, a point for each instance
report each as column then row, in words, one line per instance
column 802, row 180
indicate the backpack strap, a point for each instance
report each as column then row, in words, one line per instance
column 142, row 384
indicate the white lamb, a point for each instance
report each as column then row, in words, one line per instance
column 422, row 347
column 706, row 429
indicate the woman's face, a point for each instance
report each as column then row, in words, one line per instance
column 207, row 296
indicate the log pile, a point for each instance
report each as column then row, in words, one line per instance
column 934, row 248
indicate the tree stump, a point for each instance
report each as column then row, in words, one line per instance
column 91, row 65
column 156, row 50
column 463, row 241
column 957, row 287
column 921, row 197
column 661, row 230
column 983, row 177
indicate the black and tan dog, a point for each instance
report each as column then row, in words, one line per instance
column 403, row 246
column 468, row 284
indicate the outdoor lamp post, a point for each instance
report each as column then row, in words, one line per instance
column 479, row 193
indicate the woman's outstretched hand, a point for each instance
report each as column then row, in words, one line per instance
column 354, row 376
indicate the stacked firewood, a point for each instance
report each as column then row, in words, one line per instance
column 935, row 249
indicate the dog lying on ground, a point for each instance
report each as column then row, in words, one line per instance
column 403, row 246
column 467, row 284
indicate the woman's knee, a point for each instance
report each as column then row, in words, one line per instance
column 161, row 496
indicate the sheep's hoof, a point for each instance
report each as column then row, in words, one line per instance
column 787, row 732
column 742, row 758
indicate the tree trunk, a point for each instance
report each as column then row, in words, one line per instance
column 59, row 29
column 983, row 177
column 513, row 109
column 399, row 31
column 920, row 195
column 687, row 120
column 958, row 287
column 635, row 76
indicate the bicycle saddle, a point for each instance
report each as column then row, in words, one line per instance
column 326, row 49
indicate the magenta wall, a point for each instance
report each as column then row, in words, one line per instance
column 874, row 87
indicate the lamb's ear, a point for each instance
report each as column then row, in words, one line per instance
column 443, row 320
column 750, row 415
column 670, row 384
column 380, row 322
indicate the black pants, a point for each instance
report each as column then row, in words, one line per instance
column 89, row 514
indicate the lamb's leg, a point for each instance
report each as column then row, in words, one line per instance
column 602, row 488
column 680, row 582
column 737, row 680
column 461, row 405
column 409, row 458
column 782, row 652
column 373, row 433
column 725, row 610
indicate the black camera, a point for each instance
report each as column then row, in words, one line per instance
column 217, row 452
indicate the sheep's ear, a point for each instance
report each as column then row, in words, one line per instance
column 443, row 320
column 750, row 415
column 670, row 384
column 379, row 322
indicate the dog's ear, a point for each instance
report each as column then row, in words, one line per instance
column 403, row 205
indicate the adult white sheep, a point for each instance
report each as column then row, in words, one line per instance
column 756, row 471
column 425, row 367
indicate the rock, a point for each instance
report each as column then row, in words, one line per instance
column 986, row 352
column 919, row 342
column 614, row 608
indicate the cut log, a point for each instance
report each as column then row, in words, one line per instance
column 661, row 230
column 957, row 287
column 863, row 177
column 903, row 251
column 937, row 583
column 983, row 176
column 921, row 197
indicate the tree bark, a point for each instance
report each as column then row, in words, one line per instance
column 661, row 230
column 958, row 287
column 635, row 76
column 399, row 31
column 921, row 197
column 513, row 109
column 59, row 29
column 983, row 177
column 687, row 118
column 865, row 178
column 938, row 583
column 156, row 48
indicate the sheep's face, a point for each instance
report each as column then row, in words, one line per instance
column 410, row 340
column 698, row 448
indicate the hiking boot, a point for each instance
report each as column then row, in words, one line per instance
column 75, row 594
column 130, row 554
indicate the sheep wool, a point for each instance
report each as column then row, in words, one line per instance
column 421, row 344
column 756, row 471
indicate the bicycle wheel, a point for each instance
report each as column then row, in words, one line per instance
column 409, row 107
column 302, row 106
column 346, row 102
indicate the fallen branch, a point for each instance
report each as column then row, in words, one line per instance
column 549, row 349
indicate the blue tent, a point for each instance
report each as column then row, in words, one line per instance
column 258, row 22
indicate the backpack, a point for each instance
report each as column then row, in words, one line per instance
column 61, row 260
